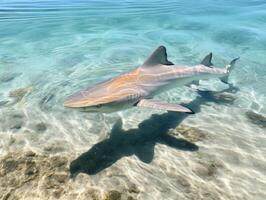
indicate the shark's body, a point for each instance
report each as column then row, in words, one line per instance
column 137, row 87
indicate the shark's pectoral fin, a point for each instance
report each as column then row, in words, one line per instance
column 117, row 129
column 151, row 103
column 194, row 84
column 159, row 56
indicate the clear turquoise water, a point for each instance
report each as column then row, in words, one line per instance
column 101, row 39
column 57, row 47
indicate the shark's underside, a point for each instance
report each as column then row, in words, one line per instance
column 137, row 87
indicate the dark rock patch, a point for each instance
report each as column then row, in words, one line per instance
column 113, row 195
column 7, row 77
column 3, row 103
column 19, row 169
column 133, row 189
column 20, row 93
column 218, row 97
column 37, row 176
column 40, row 127
column 193, row 26
column 208, row 169
column 45, row 102
column 54, row 148
column 16, row 121
column 12, row 120
column 191, row 134
column 224, row 97
column 47, row 98
column 235, row 36
column 130, row 198
column 17, row 126
column 184, row 184
column 256, row 118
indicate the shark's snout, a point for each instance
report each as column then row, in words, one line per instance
column 76, row 100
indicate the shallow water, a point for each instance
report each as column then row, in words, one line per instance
column 50, row 49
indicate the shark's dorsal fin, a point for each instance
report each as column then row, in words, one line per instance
column 159, row 56
column 207, row 61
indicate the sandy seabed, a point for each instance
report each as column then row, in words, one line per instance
column 51, row 49
column 164, row 156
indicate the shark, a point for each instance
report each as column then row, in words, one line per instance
column 137, row 88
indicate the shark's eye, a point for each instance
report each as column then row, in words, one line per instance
column 99, row 105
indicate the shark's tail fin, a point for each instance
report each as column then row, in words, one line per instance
column 229, row 68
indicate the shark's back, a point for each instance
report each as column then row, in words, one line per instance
column 120, row 88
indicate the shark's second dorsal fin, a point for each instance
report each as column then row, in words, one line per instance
column 159, row 56
column 207, row 61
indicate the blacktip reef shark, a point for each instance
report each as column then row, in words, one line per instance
column 137, row 88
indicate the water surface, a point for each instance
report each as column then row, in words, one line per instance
column 50, row 49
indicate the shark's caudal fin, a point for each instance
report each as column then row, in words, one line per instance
column 229, row 68
column 159, row 56
column 207, row 61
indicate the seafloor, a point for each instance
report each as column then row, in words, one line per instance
column 50, row 49
column 164, row 156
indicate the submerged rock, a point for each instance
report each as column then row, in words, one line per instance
column 30, row 154
column 54, row 148
column 36, row 176
column 3, row 103
column 47, row 101
column 208, row 169
column 132, row 188
column 47, row 98
column 191, row 134
column 218, row 97
column 183, row 183
column 257, row 118
column 212, row 168
column 113, row 195
column 7, row 77
column 29, row 170
column 224, row 97
column 130, row 198
column 17, row 121
column 20, row 93
column 40, row 127
column 12, row 120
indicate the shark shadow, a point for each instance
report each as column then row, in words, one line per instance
column 142, row 140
